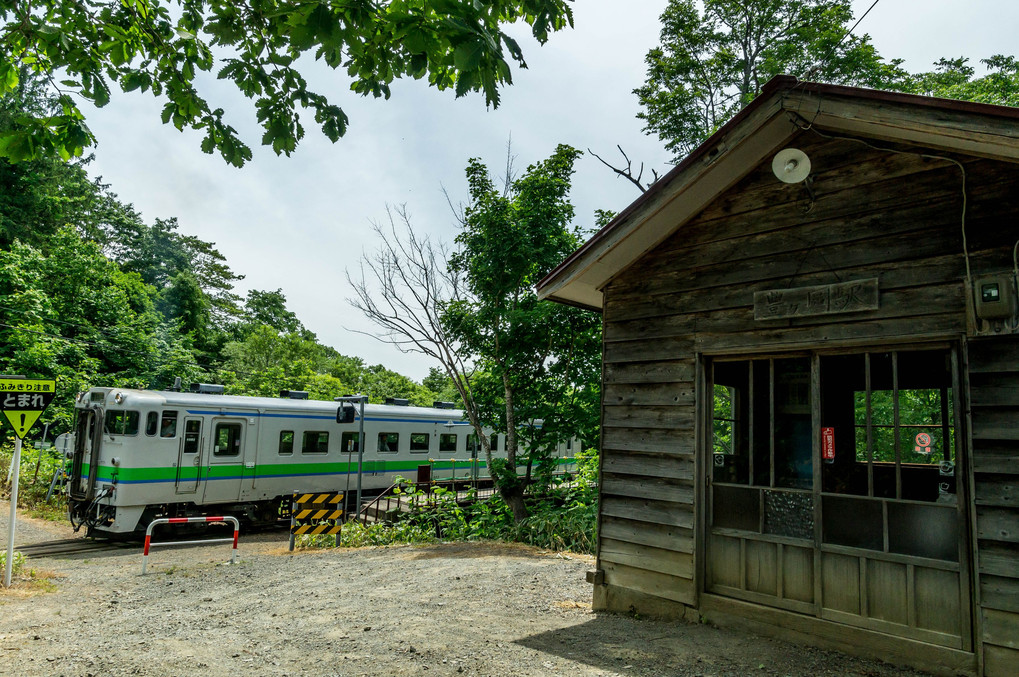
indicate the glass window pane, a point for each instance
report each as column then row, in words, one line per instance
column 227, row 439
column 122, row 423
column 151, row 423
column 419, row 441
column 348, row 443
column 168, row 426
column 192, row 435
column 447, row 442
column 731, row 422
column 389, row 442
column 315, row 442
column 736, row 508
column 923, row 530
column 853, row 522
column 286, row 442
column 793, row 431
column 789, row 513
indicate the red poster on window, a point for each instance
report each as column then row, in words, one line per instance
column 828, row 444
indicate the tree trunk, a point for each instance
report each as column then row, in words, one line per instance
column 512, row 492
column 514, row 497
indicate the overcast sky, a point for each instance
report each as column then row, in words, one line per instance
column 297, row 223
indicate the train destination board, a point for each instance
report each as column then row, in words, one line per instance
column 22, row 401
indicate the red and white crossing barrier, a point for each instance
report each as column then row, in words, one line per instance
column 190, row 520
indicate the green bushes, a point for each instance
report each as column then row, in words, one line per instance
column 37, row 468
column 562, row 517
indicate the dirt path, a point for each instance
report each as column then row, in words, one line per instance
column 456, row 609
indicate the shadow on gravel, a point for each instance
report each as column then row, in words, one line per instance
column 604, row 642
column 627, row 646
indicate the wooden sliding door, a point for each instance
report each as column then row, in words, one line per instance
column 831, row 490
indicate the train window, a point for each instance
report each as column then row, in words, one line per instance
column 151, row 423
column 192, row 435
column 495, row 442
column 389, row 442
column 348, row 443
column 447, row 442
column 121, row 423
column 228, row 439
column 419, row 441
column 473, row 445
column 314, row 442
column 286, row 441
column 168, row 428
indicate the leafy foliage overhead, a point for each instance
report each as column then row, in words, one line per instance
column 88, row 48
column 713, row 60
column 955, row 79
column 715, row 56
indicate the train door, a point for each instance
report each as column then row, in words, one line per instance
column 225, row 461
column 189, row 457
column 87, row 439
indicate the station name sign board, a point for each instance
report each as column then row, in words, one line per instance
column 825, row 299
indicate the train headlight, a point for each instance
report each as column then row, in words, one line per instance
column 119, row 398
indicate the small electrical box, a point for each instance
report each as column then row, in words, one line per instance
column 995, row 296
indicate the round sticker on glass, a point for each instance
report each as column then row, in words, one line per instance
column 923, row 443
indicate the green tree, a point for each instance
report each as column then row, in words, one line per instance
column 39, row 197
column 270, row 308
column 954, row 79
column 538, row 360
column 715, row 56
column 442, row 385
column 70, row 313
column 166, row 48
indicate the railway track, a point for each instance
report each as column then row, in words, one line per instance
column 73, row 546
column 82, row 546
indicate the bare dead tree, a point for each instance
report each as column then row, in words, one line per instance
column 403, row 288
column 627, row 173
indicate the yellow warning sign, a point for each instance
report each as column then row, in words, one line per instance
column 22, row 401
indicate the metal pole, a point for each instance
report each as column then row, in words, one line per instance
column 360, row 456
column 16, row 467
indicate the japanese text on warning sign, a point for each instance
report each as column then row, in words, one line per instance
column 22, row 401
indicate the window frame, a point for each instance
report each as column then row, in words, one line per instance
column 234, row 440
column 428, row 443
column 280, row 449
column 166, row 416
column 305, row 437
column 392, row 443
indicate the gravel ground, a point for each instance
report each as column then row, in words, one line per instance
column 453, row 609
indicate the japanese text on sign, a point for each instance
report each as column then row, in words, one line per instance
column 22, row 401
column 827, row 299
column 828, row 444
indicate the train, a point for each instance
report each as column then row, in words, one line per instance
column 137, row 455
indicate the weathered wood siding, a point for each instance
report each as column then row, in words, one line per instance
column 875, row 214
column 994, row 402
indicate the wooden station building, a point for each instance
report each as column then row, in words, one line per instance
column 810, row 414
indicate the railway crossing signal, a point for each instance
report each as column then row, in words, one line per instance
column 22, row 401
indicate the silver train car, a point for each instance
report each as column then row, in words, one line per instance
column 141, row 454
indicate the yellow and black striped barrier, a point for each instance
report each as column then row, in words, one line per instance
column 315, row 514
